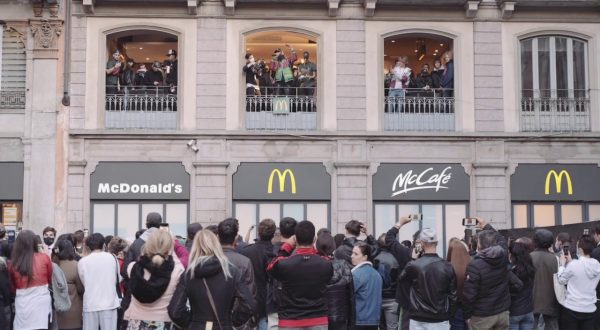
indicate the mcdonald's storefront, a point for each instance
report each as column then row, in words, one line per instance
column 277, row 190
column 554, row 194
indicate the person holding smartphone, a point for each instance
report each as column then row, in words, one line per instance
column 354, row 229
column 581, row 277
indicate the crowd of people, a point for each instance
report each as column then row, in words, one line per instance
column 401, row 81
column 294, row 277
column 122, row 77
column 282, row 76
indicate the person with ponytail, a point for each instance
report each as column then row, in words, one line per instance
column 152, row 282
column 212, row 285
column 521, row 301
column 30, row 273
column 368, row 285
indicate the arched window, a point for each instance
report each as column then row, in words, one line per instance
column 141, row 79
column 280, row 80
column 419, row 83
column 554, row 84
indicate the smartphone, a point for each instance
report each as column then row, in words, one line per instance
column 586, row 231
column 86, row 232
column 418, row 248
column 415, row 217
column 11, row 235
column 566, row 249
column 470, row 222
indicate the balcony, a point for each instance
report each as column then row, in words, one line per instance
column 290, row 108
column 12, row 98
column 142, row 107
column 420, row 110
column 555, row 111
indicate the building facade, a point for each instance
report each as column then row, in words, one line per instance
column 33, row 122
column 506, row 128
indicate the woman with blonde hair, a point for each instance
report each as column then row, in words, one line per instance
column 210, row 277
column 152, row 282
column 458, row 257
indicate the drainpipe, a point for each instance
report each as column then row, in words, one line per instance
column 66, row 100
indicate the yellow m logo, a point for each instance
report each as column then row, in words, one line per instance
column 281, row 177
column 558, row 181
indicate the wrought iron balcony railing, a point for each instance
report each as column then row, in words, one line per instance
column 417, row 109
column 141, row 107
column 282, row 108
column 555, row 111
column 12, row 98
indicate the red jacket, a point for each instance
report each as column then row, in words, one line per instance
column 42, row 273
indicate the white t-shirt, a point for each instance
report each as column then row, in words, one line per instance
column 98, row 272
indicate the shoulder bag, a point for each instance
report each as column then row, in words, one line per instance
column 212, row 303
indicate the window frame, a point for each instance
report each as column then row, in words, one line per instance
column 585, row 211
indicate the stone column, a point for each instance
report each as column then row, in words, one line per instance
column 40, row 131
column 351, row 185
column 209, row 205
column 490, row 197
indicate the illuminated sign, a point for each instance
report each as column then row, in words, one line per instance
column 281, row 177
column 558, row 182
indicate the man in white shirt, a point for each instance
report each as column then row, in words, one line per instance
column 98, row 272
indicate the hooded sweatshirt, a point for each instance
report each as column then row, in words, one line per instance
column 581, row 277
column 486, row 289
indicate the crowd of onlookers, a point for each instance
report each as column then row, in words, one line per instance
column 284, row 75
column 294, row 277
column 123, row 75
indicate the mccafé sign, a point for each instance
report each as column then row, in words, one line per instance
column 140, row 181
column 445, row 182
column 281, row 181
column 555, row 182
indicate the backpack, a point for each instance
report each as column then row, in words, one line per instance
column 60, row 290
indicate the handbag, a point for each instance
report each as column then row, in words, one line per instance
column 178, row 306
column 212, row 303
column 560, row 291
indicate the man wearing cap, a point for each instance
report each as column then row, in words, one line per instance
column 113, row 70
column 432, row 286
column 171, row 69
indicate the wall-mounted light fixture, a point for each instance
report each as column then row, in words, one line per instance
column 192, row 145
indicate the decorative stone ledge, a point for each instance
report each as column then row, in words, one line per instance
column 370, row 7
column 471, row 6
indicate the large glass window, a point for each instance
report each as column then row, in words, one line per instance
column 125, row 219
column 445, row 218
column 550, row 214
column 142, row 81
column 280, row 75
column 554, row 84
column 251, row 213
column 419, row 83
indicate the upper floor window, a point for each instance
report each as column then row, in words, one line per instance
column 554, row 84
column 419, row 83
column 142, row 82
column 12, row 69
column 280, row 69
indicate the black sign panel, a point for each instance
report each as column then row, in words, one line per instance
column 421, row 182
column 140, row 181
column 555, row 182
column 11, row 181
column 281, row 181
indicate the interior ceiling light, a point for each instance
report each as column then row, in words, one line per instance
column 141, row 48
column 393, row 41
column 441, row 45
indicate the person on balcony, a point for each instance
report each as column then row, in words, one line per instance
column 282, row 66
column 155, row 76
column 171, row 70
column 437, row 74
column 307, row 75
column 250, row 71
column 140, row 74
column 128, row 75
column 424, row 81
column 113, row 70
column 399, row 82
column 447, row 82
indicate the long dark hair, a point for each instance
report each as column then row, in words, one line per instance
column 521, row 261
column 64, row 250
column 22, row 253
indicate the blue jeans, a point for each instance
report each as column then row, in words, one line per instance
column 458, row 321
column 262, row 324
column 521, row 322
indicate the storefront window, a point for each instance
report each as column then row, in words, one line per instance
column 520, row 216
column 11, row 213
column 543, row 215
column 594, row 212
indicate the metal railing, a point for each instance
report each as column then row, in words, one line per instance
column 418, row 109
column 281, row 108
column 12, row 98
column 141, row 107
column 555, row 111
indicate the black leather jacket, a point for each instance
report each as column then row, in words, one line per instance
column 432, row 288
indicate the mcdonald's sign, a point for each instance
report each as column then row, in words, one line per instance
column 558, row 182
column 281, row 104
column 281, row 176
column 283, row 181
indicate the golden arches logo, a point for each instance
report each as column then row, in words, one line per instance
column 558, row 182
column 281, row 177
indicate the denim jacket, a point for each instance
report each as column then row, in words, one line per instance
column 367, row 292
